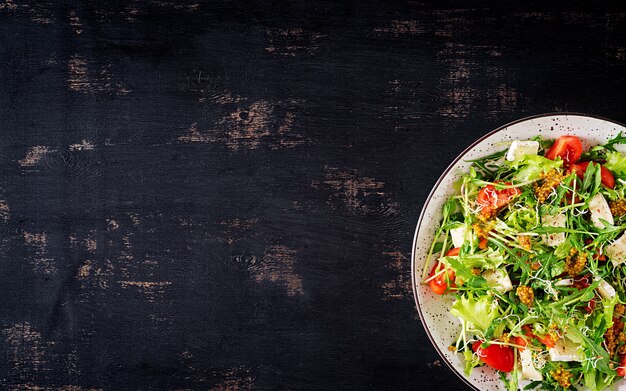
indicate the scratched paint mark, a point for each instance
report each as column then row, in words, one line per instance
column 75, row 23
column 8, row 5
column 457, row 92
column 134, row 218
column 401, row 27
column 37, row 13
column 507, row 97
column 249, row 127
column 236, row 227
column 34, row 155
column 112, row 225
column 194, row 136
column 176, row 5
column 25, row 351
column 619, row 53
column 89, row 81
column 5, row 211
column 90, row 242
column 400, row 286
column 352, row 189
column 42, row 264
column 235, row 379
column 278, row 266
column 84, row 145
column 241, row 224
column 93, row 275
column 35, row 387
column 151, row 289
column 291, row 42
column 85, row 270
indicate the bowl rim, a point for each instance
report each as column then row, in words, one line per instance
column 430, row 196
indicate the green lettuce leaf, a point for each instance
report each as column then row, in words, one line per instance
column 616, row 162
column 532, row 166
column 479, row 313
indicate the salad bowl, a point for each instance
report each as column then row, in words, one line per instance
column 441, row 326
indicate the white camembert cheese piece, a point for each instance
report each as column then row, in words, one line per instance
column 554, row 239
column 528, row 369
column 616, row 251
column 606, row 290
column 519, row 149
column 458, row 235
column 600, row 210
column 499, row 280
column 564, row 350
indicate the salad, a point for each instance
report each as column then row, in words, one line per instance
column 532, row 248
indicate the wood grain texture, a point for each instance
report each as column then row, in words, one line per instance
column 222, row 195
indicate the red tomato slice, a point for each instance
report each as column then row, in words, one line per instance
column 546, row 339
column 598, row 255
column 608, row 179
column 568, row 148
column 497, row 357
column 453, row 252
column 591, row 305
column 439, row 284
column 519, row 341
column 621, row 370
column 482, row 244
column 489, row 198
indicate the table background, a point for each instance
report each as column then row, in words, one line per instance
column 222, row 195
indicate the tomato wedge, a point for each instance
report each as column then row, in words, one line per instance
column 546, row 339
column 497, row 357
column 621, row 370
column 519, row 341
column 608, row 179
column 482, row 244
column 492, row 199
column 439, row 284
column 453, row 252
column 568, row 148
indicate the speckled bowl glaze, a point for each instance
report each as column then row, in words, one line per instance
column 442, row 328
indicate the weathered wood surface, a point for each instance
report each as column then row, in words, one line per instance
column 222, row 195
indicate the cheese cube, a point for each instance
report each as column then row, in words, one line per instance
column 554, row 239
column 519, row 149
column 606, row 290
column 499, row 280
column 528, row 369
column 565, row 350
column 564, row 282
column 616, row 251
column 599, row 209
column 458, row 235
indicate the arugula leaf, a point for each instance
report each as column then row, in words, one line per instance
column 619, row 139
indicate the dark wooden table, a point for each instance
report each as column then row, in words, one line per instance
column 222, row 195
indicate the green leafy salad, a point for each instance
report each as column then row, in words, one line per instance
column 532, row 247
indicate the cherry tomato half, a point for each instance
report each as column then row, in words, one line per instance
column 439, row 284
column 497, row 357
column 453, row 252
column 621, row 370
column 490, row 198
column 519, row 341
column 608, row 179
column 482, row 244
column 546, row 339
column 568, row 148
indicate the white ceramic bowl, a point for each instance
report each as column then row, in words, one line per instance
column 442, row 328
